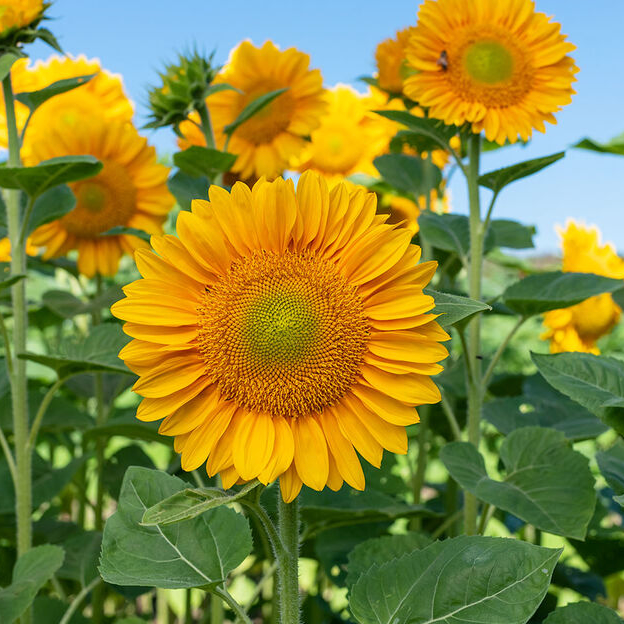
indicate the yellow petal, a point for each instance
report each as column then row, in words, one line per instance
column 399, row 302
column 411, row 389
column 290, row 484
column 253, row 444
column 310, row 451
column 283, row 451
column 175, row 374
column 334, row 479
column 406, row 346
column 359, row 436
column 155, row 409
column 386, row 407
column 192, row 414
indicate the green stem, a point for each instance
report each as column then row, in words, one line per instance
column 226, row 597
column 450, row 416
column 19, row 395
column 9, row 457
column 486, row 514
column 78, row 599
column 268, row 575
column 288, row 561
column 474, row 328
column 43, row 406
column 499, row 352
column 24, row 229
column 206, row 125
column 421, row 461
column 8, row 355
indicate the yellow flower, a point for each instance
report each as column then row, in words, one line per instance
column 18, row 13
column 129, row 191
column 103, row 95
column 5, row 249
column 390, row 58
column 281, row 332
column 494, row 63
column 265, row 143
column 579, row 327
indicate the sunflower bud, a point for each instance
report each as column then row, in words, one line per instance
column 19, row 24
column 184, row 89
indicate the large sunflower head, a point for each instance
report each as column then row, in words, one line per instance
column 281, row 333
column 494, row 63
column 390, row 59
column 18, row 13
column 578, row 327
column 266, row 142
column 130, row 191
column 102, row 96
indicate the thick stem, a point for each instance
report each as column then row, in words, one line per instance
column 23, row 491
column 474, row 329
column 206, row 125
column 288, row 561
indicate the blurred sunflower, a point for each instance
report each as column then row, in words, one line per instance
column 494, row 63
column 266, row 142
column 18, row 13
column 130, row 191
column 577, row 328
column 5, row 249
column 103, row 95
column 282, row 332
column 390, row 59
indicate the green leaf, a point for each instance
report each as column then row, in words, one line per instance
column 34, row 99
column 50, row 206
column 31, row 572
column 432, row 128
column 542, row 292
column 185, row 188
column 499, row 179
column 473, row 579
column 36, row 180
column 619, row 500
column 583, row 613
column 542, row 406
column 67, row 305
column 379, row 550
column 48, row 610
column 117, row 464
column 537, row 487
column 409, row 174
column 596, row 382
column 454, row 308
column 97, row 352
column 614, row 146
column 203, row 161
column 611, row 464
column 193, row 553
column 6, row 62
column 190, row 503
column 82, row 555
column 7, row 283
column 128, row 426
column 512, row 234
column 450, row 232
column 253, row 108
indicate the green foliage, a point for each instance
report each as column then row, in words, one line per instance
column 53, row 204
column 199, row 161
column 454, row 308
column 512, row 234
column 472, row 579
column 409, row 174
column 611, row 464
column 253, row 108
column 6, row 62
column 34, row 99
column 583, row 613
column 537, row 486
column 542, row 292
column 597, row 383
column 614, row 146
column 195, row 553
column 31, row 572
column 186, row 188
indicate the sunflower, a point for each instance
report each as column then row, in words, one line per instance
column 390, row 59
column 281, row 332
column 5, row 249
column 103, row 95
column 129, row 191
column 494, row 63
column 579, row 327
column 265, row 143
column 18, row 13
column 404, row 211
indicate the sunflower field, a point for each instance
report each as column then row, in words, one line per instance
column 275, row 375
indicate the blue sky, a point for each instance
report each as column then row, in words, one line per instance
column 134, row 37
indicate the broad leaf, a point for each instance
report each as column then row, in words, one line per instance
column 51, row 205
column 584, row 582
column 614, row 146
column 31, row 572
column 82, row 555
column 540, row 293
column 128, row 426
column 190, row 503
column 450, row 232
column 583, row 613
column 193, row 553
column 67, row 305
column 541, row 405
column 34, row 99
column 379, row 550
column 474, row 579
column 611, row 464
column 497, row 180
column 6, row 62
column 186, row 188
column 596, row 382
column 409, row 174
column 203, row 161
column 537, row 487
column 454, row 308
column 253, row 108
column 48, row 610
column 98, row 352
column 512, row 234
column 37, row 179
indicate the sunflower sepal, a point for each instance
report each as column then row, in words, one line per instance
column 192, row 502
column 13, row 38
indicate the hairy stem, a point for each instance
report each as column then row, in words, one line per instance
column 288, row 561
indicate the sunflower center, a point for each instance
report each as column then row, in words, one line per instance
column 102, row 202
column 271, row 120
column 486, row 66
column 282, row 333
column 595, row 316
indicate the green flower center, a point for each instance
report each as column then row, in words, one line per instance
column 489, row 62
